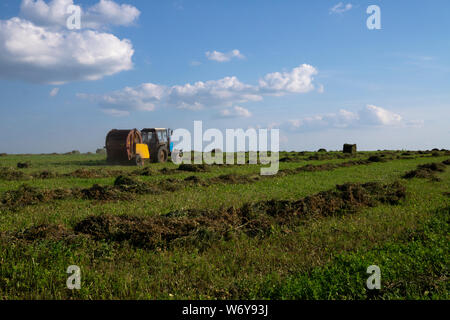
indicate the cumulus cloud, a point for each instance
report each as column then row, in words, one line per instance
column 342, row 119
column 378, row 116
column 32, row 51
column 110, row 13
column 235, row 112
column 197, row 96
column 224, row 57
column 142, row 98
column 222, row 93
column 369, row 116
column 102, row 14
column 340, row 8
column 298, row 80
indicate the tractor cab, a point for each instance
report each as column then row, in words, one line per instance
column 158, row 142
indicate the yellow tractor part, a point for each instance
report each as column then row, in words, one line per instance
column 142, row 153
column 142, row 150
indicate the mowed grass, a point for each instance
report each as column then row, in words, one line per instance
column 321, row 258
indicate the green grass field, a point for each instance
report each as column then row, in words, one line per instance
column 319, row 252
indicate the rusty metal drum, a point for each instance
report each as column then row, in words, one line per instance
column 121, row 145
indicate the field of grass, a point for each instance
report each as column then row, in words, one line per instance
column 225, row 232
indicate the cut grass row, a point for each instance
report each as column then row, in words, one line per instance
column 125, row 188
column 10, row 173
column 200, row 227
column 154, row 172
column 210, row 197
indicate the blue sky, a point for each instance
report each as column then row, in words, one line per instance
column 317, row 73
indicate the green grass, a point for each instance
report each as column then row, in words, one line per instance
column 415, row 268
column 322, row 258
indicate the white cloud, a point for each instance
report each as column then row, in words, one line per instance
column 33, row 52
column 108, row 12
column 235, row 112
column 224, row 92
column 224, row 57
column 341, row 8
column 299, row 80
column 54, row 92
column 368, row 116
column 342, row 119
column 141, row 98
column 42, row 14
column 54, row 13
column 378, row 116
column 197, row 96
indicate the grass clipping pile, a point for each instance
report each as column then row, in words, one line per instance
column 26, row 195
column 124, row 188
column 428, row 171
column 200, row 227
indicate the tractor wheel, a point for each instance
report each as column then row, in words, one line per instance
column 161, row 157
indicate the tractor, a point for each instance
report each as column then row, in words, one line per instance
column 134, row 146
column 158, row 141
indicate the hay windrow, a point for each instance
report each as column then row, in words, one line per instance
column 328, row 156
column 11, row 174
column 253, row 219
column 376, row 159
column 426, row 171
column 328, row 166
column 289, row 159
column 193, row 179
column 26, row 195
column 194, row 167
column 93, row 173
column 14, row 174
column 435, row 166
column 46, row 174
column 147, row 171
column 234, row 178
column 131, row 185
column 45, row 231
column 127, row 186
column 124, row 188
column 167, row 171
column 104, row 193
